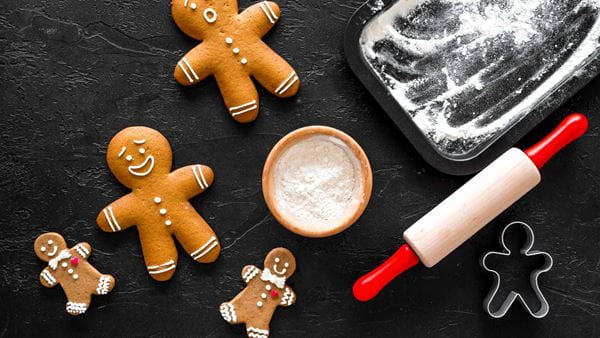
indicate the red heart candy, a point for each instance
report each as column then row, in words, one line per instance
column 274, row 294
column 74, row 260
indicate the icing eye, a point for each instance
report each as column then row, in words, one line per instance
column 142, row 150
column 129, row 158
column 286, row 265
column 210, row 15
column 50, row 241
column 193, row 5
column 43, row 249
column 277, row 260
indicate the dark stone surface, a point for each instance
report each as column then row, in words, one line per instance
column 75, row 72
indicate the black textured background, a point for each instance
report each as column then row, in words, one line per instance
column 73, row 73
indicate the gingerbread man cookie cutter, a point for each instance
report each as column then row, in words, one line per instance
column 533, row 278
column 233, row 52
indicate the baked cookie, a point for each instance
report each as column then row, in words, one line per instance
column 69, row 268
column 141, row 158
column 232, row 51
column 266, row 290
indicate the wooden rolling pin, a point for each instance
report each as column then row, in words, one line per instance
column 471, row 207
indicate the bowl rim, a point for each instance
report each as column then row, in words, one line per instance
column 292, row 138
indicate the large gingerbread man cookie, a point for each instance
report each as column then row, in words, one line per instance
column 266, row 290
column 232, row 51
column 158, row 205
column 70, row 268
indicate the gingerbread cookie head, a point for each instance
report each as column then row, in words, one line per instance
column 48, row 245
column 136, row 154
column 281, row 262
column 197, row 17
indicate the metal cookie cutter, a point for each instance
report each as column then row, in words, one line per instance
column 533, row 279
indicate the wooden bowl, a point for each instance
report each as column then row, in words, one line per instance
column 353, row 211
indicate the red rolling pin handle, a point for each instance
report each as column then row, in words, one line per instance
column 369, row 285
column 570, row 129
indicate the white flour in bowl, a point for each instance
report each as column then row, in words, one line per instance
column 317, row 181
column 466, row 71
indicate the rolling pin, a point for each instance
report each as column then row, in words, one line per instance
column 471, row 207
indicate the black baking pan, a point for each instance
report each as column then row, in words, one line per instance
column 522, row 75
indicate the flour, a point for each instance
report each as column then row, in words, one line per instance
column 317, row 181
column 466, row 71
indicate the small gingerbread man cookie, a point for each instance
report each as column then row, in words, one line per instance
column 158, row 205
column 266, row 290
column 232, row 51
column 70, row 268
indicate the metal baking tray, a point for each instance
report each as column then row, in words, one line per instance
column 466, row 79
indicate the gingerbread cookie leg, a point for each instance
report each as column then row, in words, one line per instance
column 258, row 327
column 239, row 94
column 160, row 254
column 194, row 67
column 198, row 239
column 78, row 301
column 274, row 73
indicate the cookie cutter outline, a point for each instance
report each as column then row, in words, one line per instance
column 533, row 277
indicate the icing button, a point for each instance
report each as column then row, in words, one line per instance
column 70, row 271
column 259, row 304
column 236, row 50
column 244, row 61
column 63, row 264
column 228, row 40
column 157, row 200
column 263, row 296
column 193, row 5
column 168, row 222
column 268, row 287
column 75, row 276
column 163, row 211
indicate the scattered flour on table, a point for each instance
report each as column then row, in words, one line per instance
column 466, row 71
column 317, row 181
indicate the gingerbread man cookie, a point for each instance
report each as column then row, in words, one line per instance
column 232, row 51
column 70, row 268
column 158, row 205
column 266, row 290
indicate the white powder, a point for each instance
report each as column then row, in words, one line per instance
column 317, row 182
column 445, row 61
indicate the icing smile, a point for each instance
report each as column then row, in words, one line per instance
column 136, row 169
column 50, row 254
column 281, row 273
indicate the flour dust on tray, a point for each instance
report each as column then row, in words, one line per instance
column 317, row 180
column 466, row 71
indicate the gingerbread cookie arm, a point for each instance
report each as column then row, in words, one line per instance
column 239, row 94
column 260, row 18
column 249, row 272
column 47, row 279
column 194, row 67
column 192, row 179
column 84, row 250
column 288, row 298
column 273, row 72
column 117, row 216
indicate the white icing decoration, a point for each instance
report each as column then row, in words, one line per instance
column 236, row 50
column 47, row 276
column 268, row 287
column 70, row 271
column 277, row 259
column 164, row 267
column 210, row 15
column 267, row 276
column 287, row 83
column 168, row 222
column 205, row 248
column 228, row 312
column 193, row 5
column 250, row 273
column 254, row 332
column 43, row 249
column 142, row 150
column 279, row 272
column 63, row 254
column 129, row 158
column 82, row 250
column 76, row 308
column 259, row 303
column 132, row 168
column 244, row 61
column 110, row 218
column 163, row 211
column 263, row 295
column 240, row 109
column 288, row 297
column 185, row 2
column 122, row 151
column 266, row 8
column 228, row 40
column 103, row 285
column 157, row 200
column 286, row 264
column 75, row 276
column 50, row 242
column 199, row 175
column 190, row 68
column 64, row 264
column 142, row 141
